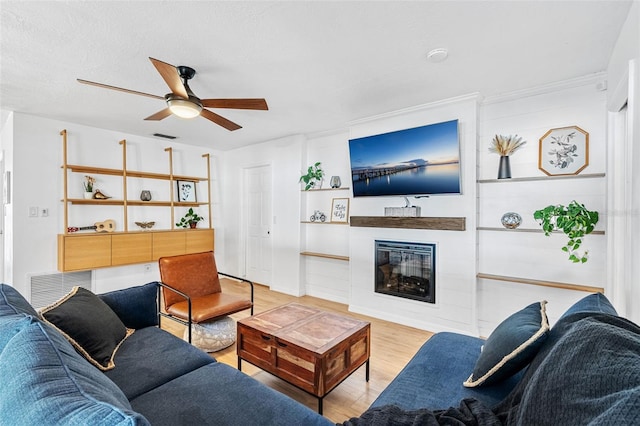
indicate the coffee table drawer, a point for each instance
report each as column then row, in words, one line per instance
column 255, row 346
column 296, row 365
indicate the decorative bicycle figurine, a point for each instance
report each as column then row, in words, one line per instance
column 318, row 215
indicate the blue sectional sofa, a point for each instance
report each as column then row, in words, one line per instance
column 158, row 379
column 584, row 370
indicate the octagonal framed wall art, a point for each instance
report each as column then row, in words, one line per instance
column 564, row 151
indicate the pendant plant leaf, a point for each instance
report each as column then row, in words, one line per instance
column 574, row 220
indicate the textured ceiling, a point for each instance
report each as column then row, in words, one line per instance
column 319, row 64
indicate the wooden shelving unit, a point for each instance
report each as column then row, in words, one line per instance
column 83, row 251
column 530, row 281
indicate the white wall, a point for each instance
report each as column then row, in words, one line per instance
column 623, row 101
column 38, row 182
column 454, row 309
column 581, row 103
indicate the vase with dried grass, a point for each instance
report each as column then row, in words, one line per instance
column 505, row 146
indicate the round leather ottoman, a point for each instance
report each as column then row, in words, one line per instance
column 214, row 335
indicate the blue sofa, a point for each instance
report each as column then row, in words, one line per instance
column 585, row 371
column 158, row 378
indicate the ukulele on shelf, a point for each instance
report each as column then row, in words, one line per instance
column 108, row 225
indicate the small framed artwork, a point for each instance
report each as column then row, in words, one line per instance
column 340, row 210
column 563, row 151
column 186, row 191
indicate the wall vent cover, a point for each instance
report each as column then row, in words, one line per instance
column 47, row 288
column 161, row 135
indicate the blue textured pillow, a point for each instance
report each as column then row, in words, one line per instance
column 12, row 302
column 511, row 346
column 596, row 302
column 45, row 381
column 135, row 306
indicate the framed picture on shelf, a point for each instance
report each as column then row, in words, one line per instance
column 340, row 210
column 186, row 191
column 563, row 151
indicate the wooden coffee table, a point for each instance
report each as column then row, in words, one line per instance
column 310, row 348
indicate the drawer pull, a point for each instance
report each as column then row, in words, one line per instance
column 266, row 337
column 283, row 345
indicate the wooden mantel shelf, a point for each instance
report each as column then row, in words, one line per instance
column 440, row 223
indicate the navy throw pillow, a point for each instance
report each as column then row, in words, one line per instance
column 89, row 324
column 511, row 346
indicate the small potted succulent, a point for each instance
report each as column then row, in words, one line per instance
column 190, row 219
column 88, row 184
column 314, row 176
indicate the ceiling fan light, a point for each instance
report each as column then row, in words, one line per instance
column 184, row 108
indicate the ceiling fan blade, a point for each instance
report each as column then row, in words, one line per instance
column 160, row 115
column 120, row 89
column 227, row 124
column 260, row 104
column 170, row 75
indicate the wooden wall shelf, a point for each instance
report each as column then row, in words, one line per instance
column 324, row 255
column 542, row 178
column 538, row 230
column 439, row 223
column 543, row 283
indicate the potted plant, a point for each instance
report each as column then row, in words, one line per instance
column 88, row 183
column 314, row 175
column 574, row 220
column 190, row 219
column 505, row 146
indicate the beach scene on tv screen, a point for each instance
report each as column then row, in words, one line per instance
column 419, row 161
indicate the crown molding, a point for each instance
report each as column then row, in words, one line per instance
column 597, row 79
column 437, row 104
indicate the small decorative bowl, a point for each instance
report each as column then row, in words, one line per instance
column 511, row 220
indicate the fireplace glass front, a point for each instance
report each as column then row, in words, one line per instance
column 406, row 270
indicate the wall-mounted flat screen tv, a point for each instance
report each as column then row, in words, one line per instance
column 419, row 161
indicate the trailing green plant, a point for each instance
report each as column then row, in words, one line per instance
column 574, row 220
column 190, row 219
column 314, row 174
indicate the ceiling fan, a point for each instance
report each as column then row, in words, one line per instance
column 183, row 102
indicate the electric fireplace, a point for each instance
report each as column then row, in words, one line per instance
column 406, row 270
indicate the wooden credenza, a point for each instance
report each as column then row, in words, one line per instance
column 78, row 252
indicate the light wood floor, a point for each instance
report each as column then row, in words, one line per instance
column 392, row 346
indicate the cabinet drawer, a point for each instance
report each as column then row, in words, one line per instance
column 199, row 240
column 168, row 244
column 83, row 252
column 131, row 248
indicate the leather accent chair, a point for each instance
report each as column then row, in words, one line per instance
column 191, row 290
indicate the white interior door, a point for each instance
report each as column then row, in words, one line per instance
column 258, row 224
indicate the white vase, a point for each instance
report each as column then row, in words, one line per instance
column 88, row 195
